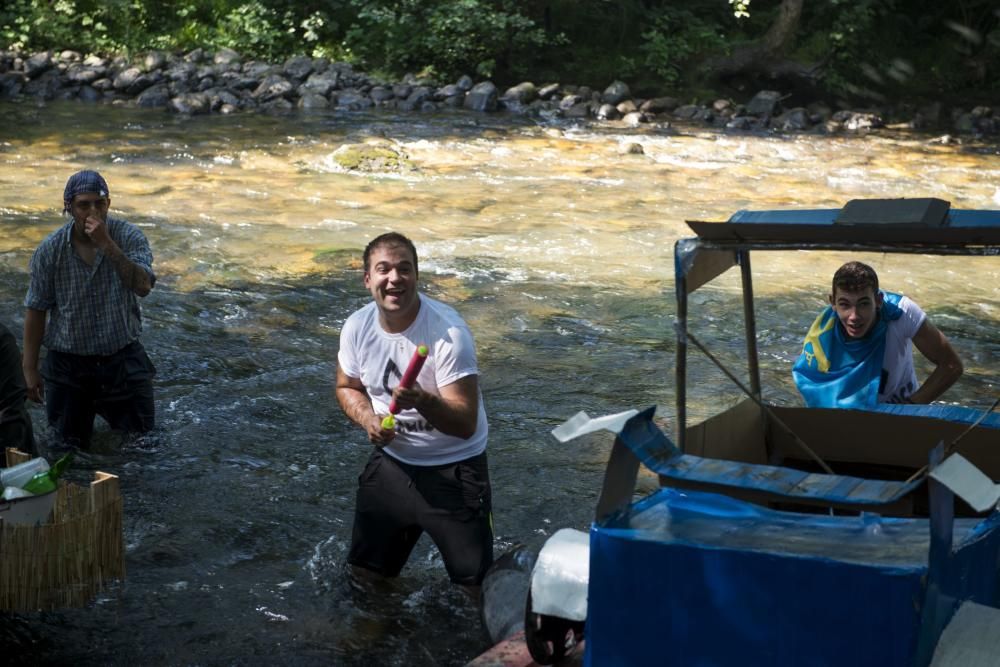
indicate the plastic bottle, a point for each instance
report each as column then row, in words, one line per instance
column 48, row 481
column 13, row 493
column 18, row 475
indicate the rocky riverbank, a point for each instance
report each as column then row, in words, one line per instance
column 199, row 82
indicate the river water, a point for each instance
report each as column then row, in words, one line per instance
column 553, row 241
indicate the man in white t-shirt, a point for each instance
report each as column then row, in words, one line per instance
column 428, row 473
column 845, row 347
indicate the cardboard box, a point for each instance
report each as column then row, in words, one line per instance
column 66, row 561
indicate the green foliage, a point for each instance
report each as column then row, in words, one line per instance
column 878, row 50
column 874, row 49
column 674, row 39
column 741, row 8
column 454, row 36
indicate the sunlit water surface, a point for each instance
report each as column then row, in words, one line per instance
column 553, row 242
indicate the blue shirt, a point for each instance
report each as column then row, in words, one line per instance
column 90, row 310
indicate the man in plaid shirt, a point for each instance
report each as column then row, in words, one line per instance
column 83, row 305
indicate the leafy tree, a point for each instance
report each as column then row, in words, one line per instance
column 448, row 37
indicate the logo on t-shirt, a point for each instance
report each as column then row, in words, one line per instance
column 391, row 369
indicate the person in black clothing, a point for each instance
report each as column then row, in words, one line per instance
column 15, row 423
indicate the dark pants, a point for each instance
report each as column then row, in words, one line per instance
column 16, row 431
column 118, row 387
column 397, row 502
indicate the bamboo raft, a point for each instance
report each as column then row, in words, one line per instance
column 67, row 561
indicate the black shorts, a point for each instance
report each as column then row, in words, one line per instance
column 397, row 502
column 118, row 387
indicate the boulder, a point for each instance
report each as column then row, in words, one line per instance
column 687, row 111
column 616, row 93
column 191, row 103
column 322, row 83
column 739, row 123
column 224, row 97
column 634, row 119
column 547, row 91
column 11, row 84
column 721, row 105
column 416, row 98
column 569, row 101
column 311, row 101
column 854, row 121
column 154, row 96
column 278, row 105
column 451, row 90
column 298, row 67
column 37, row 64
column 272, row 87
column 96, row 62
column 154, row 60
column 522, row 93
column 578, row 110
column 181, row 71
column 256, row 70
column 626, row 107
column 482, row 97
column 226, row 57
column 89, row 94
column 764, row 103
column 45, row 86
column 380, row 94
column 77, row 73
column 793, row 120
column 352, row 99
column 607, row 112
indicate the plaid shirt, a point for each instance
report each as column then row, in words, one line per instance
column 91, row 312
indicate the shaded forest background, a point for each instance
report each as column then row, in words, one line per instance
column 856, row 50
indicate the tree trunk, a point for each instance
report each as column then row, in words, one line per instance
column 767, row 52
column 781, row 33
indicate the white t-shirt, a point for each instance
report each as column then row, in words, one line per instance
column 379, row 359
column 899, row 377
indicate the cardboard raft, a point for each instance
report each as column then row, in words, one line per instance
column 67, row 561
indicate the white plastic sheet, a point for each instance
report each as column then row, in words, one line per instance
column 581, row 423
column 562, row 572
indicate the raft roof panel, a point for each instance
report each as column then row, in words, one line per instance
column 879, row 223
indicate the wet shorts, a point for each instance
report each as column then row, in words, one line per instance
column 397, row 502
column 118, row 387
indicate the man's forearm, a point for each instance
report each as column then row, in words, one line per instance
column 356, row 405
column 937, row 382
column 450, row 419
column 131, row 274
column 34, row 331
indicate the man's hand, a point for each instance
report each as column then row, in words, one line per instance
column 408, row 399
column 33, row 381
column 97, row 230
column 380, row 437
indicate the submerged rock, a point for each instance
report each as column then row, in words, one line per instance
column 372, row 158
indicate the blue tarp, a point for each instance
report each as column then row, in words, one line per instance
column 691, row 578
